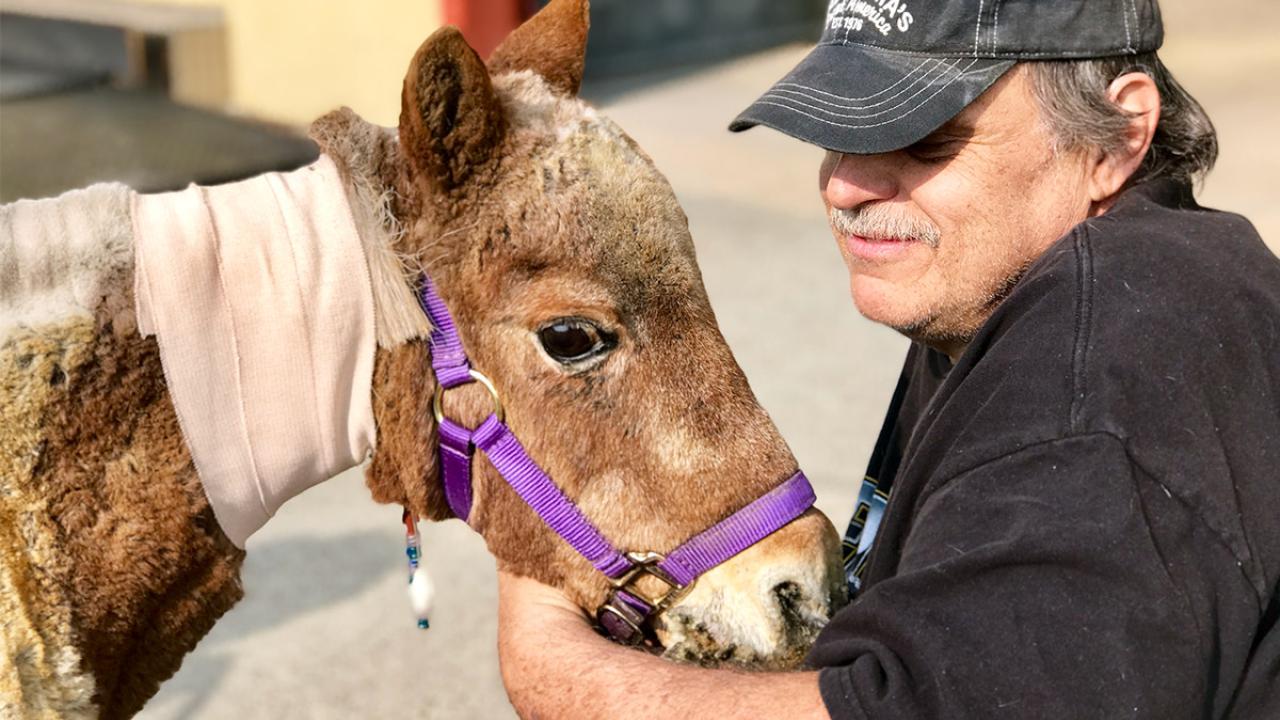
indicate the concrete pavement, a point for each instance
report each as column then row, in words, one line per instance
column 325, row 632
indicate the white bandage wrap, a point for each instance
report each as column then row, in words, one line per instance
column 259, row 294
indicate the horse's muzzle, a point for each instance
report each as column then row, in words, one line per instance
column 763, row 608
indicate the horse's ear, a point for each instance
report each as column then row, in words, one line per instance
column 451, row 121
column 552, row 43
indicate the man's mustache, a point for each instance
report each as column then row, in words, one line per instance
column 880, row 222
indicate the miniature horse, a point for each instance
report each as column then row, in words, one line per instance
column 567, row 264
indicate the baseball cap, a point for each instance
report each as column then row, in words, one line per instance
column 887, row 73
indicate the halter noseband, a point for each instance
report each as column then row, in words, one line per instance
column 626, row 612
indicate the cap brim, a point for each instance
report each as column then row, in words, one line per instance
column 863, row 100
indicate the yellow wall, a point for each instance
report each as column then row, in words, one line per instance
column 291, row 61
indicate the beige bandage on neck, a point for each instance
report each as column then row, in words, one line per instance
column 259, row 294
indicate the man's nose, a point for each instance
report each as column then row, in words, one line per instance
column 852, row 180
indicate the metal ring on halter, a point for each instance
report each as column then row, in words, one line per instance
column 647, row 564
column 437, row 402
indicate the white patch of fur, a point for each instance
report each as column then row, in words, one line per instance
column 62, row 257
column 75, row 686
column 578, row 142
column 533, row 106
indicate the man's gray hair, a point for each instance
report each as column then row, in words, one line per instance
column 1072, row 95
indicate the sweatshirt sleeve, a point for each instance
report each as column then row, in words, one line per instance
column 1031, row 586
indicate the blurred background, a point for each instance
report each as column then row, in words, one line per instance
column 160, row 93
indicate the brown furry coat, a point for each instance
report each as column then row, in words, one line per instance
column 99, row 500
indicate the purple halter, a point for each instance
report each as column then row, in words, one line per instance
column 625, row 614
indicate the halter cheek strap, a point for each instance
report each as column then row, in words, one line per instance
column 625, row 615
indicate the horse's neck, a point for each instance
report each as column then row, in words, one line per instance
column 262, row 356
column 262, row 295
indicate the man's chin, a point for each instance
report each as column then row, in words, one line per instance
column 886, row 304
column 927, row 333
column 916, row 323
column 915, row 329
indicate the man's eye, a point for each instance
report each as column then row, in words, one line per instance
column 933, row 151
column 572, row 340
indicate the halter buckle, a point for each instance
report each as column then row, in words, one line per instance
column 620, row 617
column 647, row 563
column 437, row 400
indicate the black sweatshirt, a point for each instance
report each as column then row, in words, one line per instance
column 1084, row 513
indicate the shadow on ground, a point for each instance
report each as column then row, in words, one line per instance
column 288, row 579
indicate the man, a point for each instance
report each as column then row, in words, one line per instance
column 1075, row 499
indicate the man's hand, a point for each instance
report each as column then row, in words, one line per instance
column 554, row 665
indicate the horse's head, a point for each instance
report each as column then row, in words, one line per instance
column 568, row 265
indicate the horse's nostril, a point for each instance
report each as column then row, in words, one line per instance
column 787, row 592
column 787, row 596
column 797, row 619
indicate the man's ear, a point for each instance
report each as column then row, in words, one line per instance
column 552, row 44
column 451, row 121
column 1137, row 95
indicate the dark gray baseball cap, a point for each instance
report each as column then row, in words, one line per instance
column 887, row 73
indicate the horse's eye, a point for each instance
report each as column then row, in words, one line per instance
column 572, row 340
